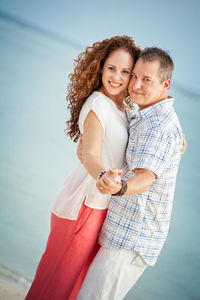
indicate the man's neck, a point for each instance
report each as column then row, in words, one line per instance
column 156, row 101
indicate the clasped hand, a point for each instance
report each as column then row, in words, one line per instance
column 110, row 182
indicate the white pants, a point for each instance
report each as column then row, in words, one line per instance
column 112, row 274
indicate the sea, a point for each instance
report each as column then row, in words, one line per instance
column 36, row 156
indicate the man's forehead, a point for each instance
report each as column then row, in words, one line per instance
column 146, row 68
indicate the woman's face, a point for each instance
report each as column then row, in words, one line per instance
column 116, row 73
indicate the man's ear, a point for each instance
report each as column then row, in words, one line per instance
column 167, row 83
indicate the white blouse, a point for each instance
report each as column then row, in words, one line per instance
column 80, row 185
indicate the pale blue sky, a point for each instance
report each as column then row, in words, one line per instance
column 172, row 25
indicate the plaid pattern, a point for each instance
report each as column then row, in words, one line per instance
column 141, row 222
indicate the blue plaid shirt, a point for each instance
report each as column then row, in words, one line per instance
column 141, row 222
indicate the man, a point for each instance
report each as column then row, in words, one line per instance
column 139, row 212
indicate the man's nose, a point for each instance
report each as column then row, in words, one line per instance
column 134, row 84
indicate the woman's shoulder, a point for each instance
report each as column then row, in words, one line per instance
column 97, row 103
column 98, row 99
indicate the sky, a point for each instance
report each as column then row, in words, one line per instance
column 172, row 25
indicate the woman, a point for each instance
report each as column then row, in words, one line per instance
column 95, row 94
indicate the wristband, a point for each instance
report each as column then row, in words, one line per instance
column 123, row 189
column 101, row 174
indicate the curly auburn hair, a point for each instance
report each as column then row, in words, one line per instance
column 87, row 75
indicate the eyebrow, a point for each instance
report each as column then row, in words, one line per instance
column 115, row 67
column 144, row 76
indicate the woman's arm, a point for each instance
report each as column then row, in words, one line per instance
column 91, row 148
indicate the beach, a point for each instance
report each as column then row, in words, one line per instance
column 9, row 291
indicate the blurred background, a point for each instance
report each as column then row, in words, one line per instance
column 39, row 41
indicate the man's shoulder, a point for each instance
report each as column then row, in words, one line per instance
column 164, row 125
column 162, row 120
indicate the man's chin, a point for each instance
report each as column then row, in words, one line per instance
column 136, row 100
column 136, row 97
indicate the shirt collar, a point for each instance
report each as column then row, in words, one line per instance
column 162, row 105
column 131, row 111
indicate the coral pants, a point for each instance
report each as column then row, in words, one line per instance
column 70, row 249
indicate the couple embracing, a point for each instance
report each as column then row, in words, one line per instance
column 111, row 216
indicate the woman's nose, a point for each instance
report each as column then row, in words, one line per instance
column 117, row 76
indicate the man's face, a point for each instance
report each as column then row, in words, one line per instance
column 145, row 88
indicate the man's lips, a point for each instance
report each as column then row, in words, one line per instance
column 136, row 93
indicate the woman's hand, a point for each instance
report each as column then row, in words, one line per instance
column 184, row 146
column 110, row 182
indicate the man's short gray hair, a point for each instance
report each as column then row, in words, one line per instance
column 166, row 62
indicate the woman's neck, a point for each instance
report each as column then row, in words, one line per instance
column 117, row 99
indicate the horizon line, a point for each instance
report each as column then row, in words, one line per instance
column 14, row 19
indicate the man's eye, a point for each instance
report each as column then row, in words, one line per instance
column 126, row 72
column 133, row 75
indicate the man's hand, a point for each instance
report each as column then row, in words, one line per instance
column 79, row 149
column 110, row 182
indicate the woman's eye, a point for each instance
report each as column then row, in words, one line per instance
column 111, row 68
column 147, row 80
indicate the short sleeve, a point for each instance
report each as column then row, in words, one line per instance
column 99, row 105
column 151, row 151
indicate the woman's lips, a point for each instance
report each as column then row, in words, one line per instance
column 114, row 84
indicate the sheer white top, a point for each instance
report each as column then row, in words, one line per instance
column 80, row 185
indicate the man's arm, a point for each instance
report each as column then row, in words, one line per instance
column 139, row 183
